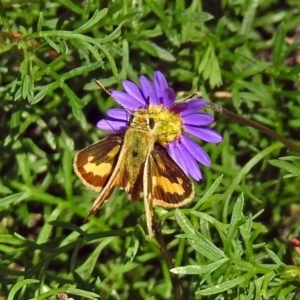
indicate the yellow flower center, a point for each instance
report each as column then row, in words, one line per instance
column 168, row 125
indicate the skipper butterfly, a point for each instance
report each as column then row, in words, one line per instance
column 136, row 163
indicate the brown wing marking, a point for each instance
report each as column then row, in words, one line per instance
column 95, row 164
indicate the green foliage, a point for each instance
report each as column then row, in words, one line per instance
column 237, row 239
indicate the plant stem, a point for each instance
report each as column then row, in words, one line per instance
column 289, row 144
column 168, row 259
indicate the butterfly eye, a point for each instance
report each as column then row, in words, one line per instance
column 151, row 123
column 130, row 120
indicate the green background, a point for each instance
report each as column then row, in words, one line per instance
column 234, row 240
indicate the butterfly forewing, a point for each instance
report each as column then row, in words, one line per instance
column 95, row 164
column 169, row 185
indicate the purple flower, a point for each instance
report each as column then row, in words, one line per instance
column 176, row 121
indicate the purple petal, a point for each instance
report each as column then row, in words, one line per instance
column 112, row 125
column 184, row 160
column 148, row 90
column 168, row 97
column 196, row 104
column 171, row 149
column 198, row 119
column 205, row 134
column 118, row 113
column 180, row 157
column 126, row 100
column 176, row 155
column 134, row 91
column 196, row 151
column 192, row 166
column 190, row 107
column 160, row 84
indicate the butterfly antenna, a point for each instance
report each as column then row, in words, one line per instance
column 102, row 87
column 108, row 93
column 187, row 98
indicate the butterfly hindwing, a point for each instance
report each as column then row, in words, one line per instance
column 168, row 184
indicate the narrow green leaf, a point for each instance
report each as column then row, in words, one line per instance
column 218, row 288
column 285, row 166
column 75, row 102
column 132, row 249
column 290, row 158
column 87, row 47
column 66, row 225
column 50, row 139
column 14, row 199
column 249, row 17
column 258, row 89
column 184, row 223
column 222, row 228
column 20, row 284
column 4, row 190
column 40, row 22
column 49, row 136
column 204, row 60
column 279, row 46
column 15, row 119
column 98, row 15
column 70, row 291
column 44, row 91
column 110, row 59
column 267, row 279
column 24, row 168
column 198, row 241
column 47, row 229
column 27, row 87
column 274, row 257
column 6, row 48
column 206, row 197
column 199, row 269
column 10, row 240
column 67, row 168
column 82, row 70
column 156, row 8
column 52, row 44
column 72, row 6
column 171, row 34
column 82, row 293
column 204, row 246
column 259, row 67
column 215, row 78
column 195, row 17
column 237, row 213
column 155, row 50
column 248, row 237
column 91, row 262
column 179, row 6
column 112, row 36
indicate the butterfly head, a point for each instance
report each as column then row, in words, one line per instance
column 165, row 125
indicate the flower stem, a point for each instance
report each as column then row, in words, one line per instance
column 289, row 144
column 168, row 259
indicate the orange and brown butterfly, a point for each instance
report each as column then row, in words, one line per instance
column 148, row 153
